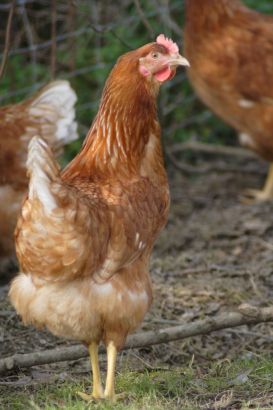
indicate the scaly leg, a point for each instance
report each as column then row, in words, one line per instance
column 97, row 392
column 109, row 392
column 255, row 195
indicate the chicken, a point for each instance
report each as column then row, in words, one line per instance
column 231, row 52
column 49, row 113
column 85, row 235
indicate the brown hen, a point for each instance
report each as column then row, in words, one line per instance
column 85, row 235
column 231, row 52
column 49, row 113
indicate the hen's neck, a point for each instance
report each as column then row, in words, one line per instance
column 121, row 133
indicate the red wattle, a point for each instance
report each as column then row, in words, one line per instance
column 164, row 74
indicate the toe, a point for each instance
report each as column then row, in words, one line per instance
column 253, row 196
column 90, row 397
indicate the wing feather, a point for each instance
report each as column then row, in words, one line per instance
column 59, row 235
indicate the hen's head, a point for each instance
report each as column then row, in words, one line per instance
column 151, row 64
column 159, row 60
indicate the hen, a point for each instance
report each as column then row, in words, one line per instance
column 231, row 52
column 49, row 113
column 85, row 235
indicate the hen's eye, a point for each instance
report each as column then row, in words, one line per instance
column 155, row 55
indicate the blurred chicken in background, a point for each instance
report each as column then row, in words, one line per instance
column 230, row 49
column 50, row 113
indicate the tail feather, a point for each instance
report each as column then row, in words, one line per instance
column 54, row 108
column 43, row 170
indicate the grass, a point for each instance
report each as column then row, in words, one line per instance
column 245, row 383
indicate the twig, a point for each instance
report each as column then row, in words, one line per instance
column 4, row 7
column 144, row 19
column 247, row 315
column 193, row 120
column 71, row 41
column 167, row 19
column 97, row 28
column 53, row 39
column 202, row 169
column 212, row 149
column 7, row 38
column 121, row 39
column 29, row 36
column 127, row 22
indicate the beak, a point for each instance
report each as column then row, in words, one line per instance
column 178, row 60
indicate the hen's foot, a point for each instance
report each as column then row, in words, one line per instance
column 90, row 397
column 253, row 196
column 116, row 397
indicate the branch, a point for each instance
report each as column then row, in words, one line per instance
column 247, row 315
column 53, row 39
column 203, row 169
column 7, row 38
column 144, row 19
column 168, row 21
column 29, row 35
column 72, row 27
column 212, row 149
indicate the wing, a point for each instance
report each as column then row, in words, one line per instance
column 140, row 211
column 61, row 233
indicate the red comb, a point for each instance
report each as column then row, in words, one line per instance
column 170, row 45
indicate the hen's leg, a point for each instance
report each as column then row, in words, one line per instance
column 109, row 392
column 97, row 387
column 255, row 195
column 97, row 392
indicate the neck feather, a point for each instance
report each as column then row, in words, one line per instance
column 126, row 120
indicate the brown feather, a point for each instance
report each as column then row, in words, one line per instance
column 39, row 115
column 85, row 263
column 230, row 49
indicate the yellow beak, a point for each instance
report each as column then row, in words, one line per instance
column 178, row 60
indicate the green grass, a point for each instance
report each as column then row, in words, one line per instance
column 246, row 382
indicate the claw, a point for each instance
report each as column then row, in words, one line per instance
column 253, row 196
column 89, row 397
column 119, row 397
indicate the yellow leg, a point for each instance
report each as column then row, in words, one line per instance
column 255, row 195
column 97, row 392
column 109, row 392
column 97, row 387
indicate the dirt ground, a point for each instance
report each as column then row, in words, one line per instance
column 214, row 254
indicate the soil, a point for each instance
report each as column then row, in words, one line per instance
column 214, row 254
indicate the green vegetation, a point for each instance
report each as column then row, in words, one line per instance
column 105, row 32
column 246, row 382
